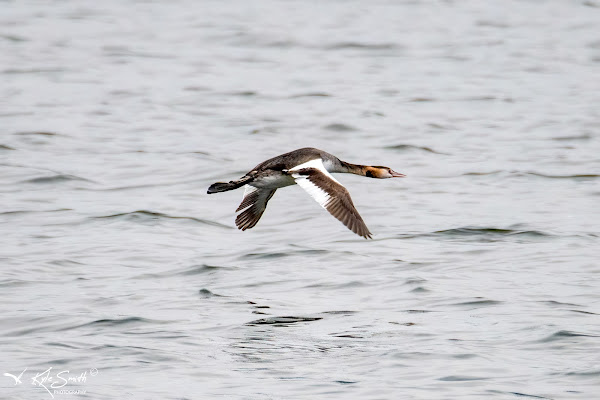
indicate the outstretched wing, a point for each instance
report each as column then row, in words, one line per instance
column 330, row 194
column 254, row 202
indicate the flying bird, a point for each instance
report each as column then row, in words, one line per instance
column 311, row 169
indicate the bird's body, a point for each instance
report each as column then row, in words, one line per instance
column 310, row 168
column 270, row 173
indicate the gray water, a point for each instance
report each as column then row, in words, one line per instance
column 482, row 280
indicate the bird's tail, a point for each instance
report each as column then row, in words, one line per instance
column 225, row 186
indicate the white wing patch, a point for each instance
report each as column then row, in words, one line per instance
column 317, row 163
column 321, row 196
column 247, row 190
column 253, row 206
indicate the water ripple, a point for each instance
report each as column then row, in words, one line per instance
column 310, row 94
column 20, row 212
column 144, row 216
column 38, row 133
column 56, row 179
column 188, row 271
column 531, row 173
column 564, row 334
column 281, row 254
column 574, row 137
column 483, row 234
column 479, row 303
column 282, row 321
column 461, row 378
column 574, row 176
column 409, row 147
column 205, row 293
column 362, row 46
column 520, row 394
column 488, row 232
column 339, row 127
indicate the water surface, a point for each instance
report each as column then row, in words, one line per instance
column 482, row 280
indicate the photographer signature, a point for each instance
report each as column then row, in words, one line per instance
column 58, row 381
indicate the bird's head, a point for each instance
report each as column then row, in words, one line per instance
column 382, row 172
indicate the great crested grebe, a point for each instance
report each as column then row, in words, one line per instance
column 310, row 168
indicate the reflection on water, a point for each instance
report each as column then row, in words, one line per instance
column 481, row 278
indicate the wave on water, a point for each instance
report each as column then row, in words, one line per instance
column 554, row 303
column 53, row 324
column 481, row 173
column 198, row 269
column 122, row 321
column 488, row 232
column 11, row 283
column 56, row 179
column 144, row 216
column 187, row 271
column 287, row 320
column 594, row 372
column 478, row 303
column 534, row 174
column 340, row 312
column 205, row 293
column 33, row 70
column 282, row 321
column 479, row 234
column 37, row 133
column 362, row 46
column 584, row 312
column 570, row 138
column 519, row 394
column 461, row 378
column 310, row 94
column 244, row 93
column 339, row 127
column 19, row 212
column 346, row 335
column 281, row 254
column 564, row 334
column 410, row 147
column 574, row 176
